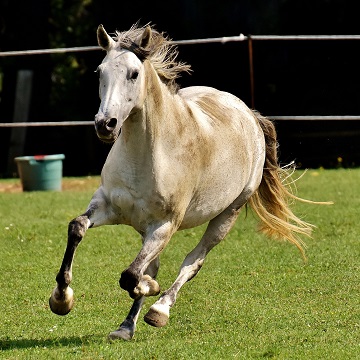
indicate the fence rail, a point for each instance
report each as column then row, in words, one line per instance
column 91, row 123
column 46, row 123
column 222, row 40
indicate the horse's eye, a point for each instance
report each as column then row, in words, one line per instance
column 134, row 75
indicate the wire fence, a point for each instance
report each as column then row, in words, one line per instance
column 274, row 118
column 222, row 40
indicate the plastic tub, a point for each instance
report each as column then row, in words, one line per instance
column 40, row 172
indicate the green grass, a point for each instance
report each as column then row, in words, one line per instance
column 253, row 299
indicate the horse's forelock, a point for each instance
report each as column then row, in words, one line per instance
column 131, row 40
column 140, row 52
column 160, row 51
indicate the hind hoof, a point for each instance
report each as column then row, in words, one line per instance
column 157, row 316
column 61, row 302
column 121, row 334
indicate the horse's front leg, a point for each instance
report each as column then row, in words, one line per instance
column 128, row 326
column 134, row 279
column 62, row 298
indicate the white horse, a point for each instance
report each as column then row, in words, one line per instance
column 180, row 158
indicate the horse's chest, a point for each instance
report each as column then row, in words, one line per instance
column 128, row 204
column 137, row 208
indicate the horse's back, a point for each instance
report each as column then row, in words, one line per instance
column 196, row 94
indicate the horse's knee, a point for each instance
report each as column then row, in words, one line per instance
column 129, row 280
column 77, row 228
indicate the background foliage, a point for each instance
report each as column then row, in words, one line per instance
column 291, row 78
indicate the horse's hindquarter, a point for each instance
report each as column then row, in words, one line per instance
column 230, row 155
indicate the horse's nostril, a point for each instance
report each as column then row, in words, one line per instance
column 111, row 124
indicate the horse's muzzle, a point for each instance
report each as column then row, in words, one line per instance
column 106, row 128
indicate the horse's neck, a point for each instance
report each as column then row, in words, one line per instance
column 148, row 139
column 160, row 114
column 161, row 106
column 155, row 124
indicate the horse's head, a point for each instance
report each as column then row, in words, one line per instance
column 120, row 89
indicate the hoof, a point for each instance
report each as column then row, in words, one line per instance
column 61, row 303
column 146, row 287
column 121, row 334
column 157, row 316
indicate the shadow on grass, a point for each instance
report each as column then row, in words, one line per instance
column 9, row 344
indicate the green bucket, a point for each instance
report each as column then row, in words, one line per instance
column 40, row 172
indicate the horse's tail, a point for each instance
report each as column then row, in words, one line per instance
column 271, row 200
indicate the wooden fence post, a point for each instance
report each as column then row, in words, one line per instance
column 21, row 114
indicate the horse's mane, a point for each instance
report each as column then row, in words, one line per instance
column 161, row 52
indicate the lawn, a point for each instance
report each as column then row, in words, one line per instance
column 253, row 299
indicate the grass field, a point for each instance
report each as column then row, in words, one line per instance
column 253, row 299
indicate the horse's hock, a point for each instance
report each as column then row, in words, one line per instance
column 41, row 172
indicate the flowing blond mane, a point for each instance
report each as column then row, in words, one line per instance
column 161, row 52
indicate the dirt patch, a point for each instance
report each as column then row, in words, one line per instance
column 10, row 187
column 68, row 184
column 81, row 184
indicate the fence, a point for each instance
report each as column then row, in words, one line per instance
column 313, row 124
column 222, row 40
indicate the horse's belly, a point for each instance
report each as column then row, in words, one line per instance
column 217, row 190
column 195, row 218
column 206, row 206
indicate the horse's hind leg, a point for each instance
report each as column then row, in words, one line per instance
column 217, row 229
column 128, row 326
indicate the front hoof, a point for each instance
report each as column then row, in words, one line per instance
column 157, row 316
column 147, row 287
column 61, row 302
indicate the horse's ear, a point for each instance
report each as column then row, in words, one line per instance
column 103, row 38
column 145, row 38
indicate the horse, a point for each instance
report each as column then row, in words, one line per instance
column 179, row 158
